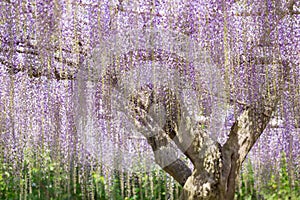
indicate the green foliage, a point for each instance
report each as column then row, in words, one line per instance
column 148, row 186
column 99, row 182
column 279, row 186
column 247, row 190
column 42, row 177
column 37, row 177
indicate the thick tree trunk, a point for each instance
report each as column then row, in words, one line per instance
column 202, row 187
column 204, row 183
column 216, row 168
column 208, row 182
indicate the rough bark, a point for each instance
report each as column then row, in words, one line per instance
column 217, row 168
column 204, row 181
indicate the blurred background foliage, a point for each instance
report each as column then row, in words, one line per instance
column 46, row 179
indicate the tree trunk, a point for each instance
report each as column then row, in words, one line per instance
column 216, row 167
column 208, row 180
column 199, row 187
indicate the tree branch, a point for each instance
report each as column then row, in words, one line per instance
column 248, row 128
column 179, row 171
column 27, row 48
column 166, row 155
